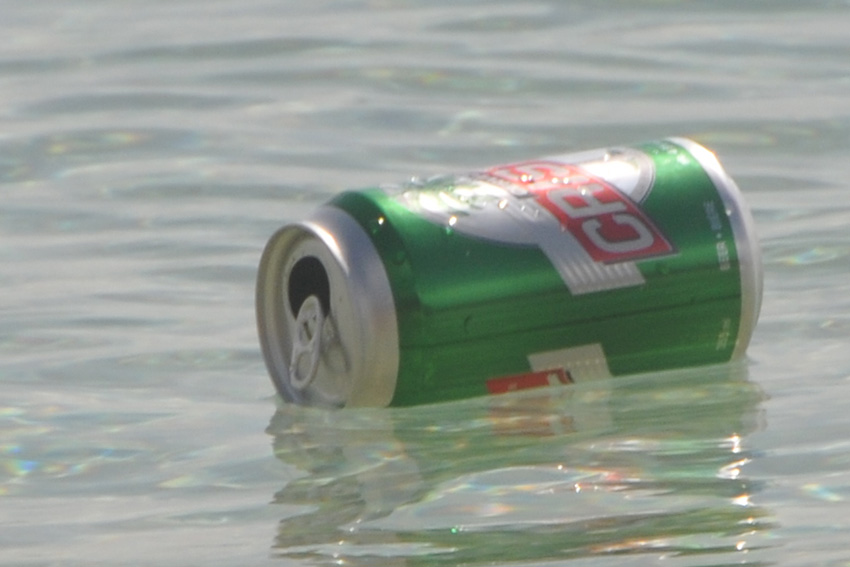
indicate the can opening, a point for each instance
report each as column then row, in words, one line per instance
column 309, row 277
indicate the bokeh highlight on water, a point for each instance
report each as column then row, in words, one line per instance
column 147, row 152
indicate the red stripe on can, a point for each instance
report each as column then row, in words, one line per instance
column 528, row 380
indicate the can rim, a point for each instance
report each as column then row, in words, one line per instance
column 746, row 241
column 374, row 350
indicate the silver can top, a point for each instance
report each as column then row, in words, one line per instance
column 326, row 314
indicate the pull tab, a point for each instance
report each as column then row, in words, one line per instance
column 307, row 345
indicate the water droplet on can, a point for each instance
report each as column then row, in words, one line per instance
column 451, row 224
column 375, row 225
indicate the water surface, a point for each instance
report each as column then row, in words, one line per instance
column 149, row 149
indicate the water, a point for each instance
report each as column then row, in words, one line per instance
column 149, row 149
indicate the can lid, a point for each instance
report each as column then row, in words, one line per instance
column 746, row 242
column 326, row 315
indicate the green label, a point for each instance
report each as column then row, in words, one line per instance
column 605, row 262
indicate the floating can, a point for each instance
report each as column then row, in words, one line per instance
column 613, row 261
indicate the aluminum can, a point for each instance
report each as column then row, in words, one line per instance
column 573, row 267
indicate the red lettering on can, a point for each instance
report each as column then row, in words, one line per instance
column 609, row 225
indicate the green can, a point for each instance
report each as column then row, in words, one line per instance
column 574, row 267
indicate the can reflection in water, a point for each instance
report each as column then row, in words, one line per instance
column 650, row 464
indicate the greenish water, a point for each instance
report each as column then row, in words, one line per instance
column 149, row 149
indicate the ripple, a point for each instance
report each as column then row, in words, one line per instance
column 509, row 22
column 224, row 50
column 52, row 155
column 135, row 101
column 797, row 255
